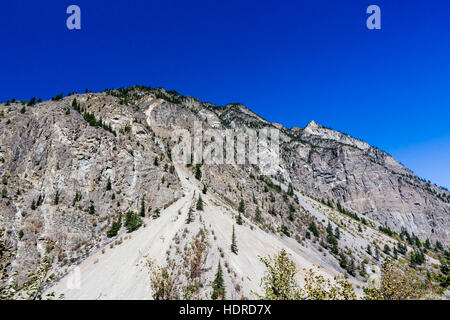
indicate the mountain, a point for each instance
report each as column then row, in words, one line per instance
column 91, row 181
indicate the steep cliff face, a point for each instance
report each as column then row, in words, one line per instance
column 334, row 166
column 72, row 167
column 57, row 168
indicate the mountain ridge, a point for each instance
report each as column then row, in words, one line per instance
column 75, row 165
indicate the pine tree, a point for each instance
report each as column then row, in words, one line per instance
column 108, row 185
column 444, row 276
column 91, row 208
column 142, row 212
column 395, row 253
column 402, row 249
column 272, row 211
column 334, row 243
column 56, row 200
column 218, row 285
column 198, row 172
column 313, row 229
column 75, row 105
column 427, row 244
column 285, row 231
column 329, row 229
column 351, row 268
column 132, row 221
column 258, row 215
column 32, row 102
column 417, row 241
column 234, row 247
column 417, row 258
column 291, row 213
column 239, row 219
column 343, row 261
column 189, row 218
column 58, row 97
column 205, row 190
column 76, row 198
column 369, row 249
column 33, row 205
column 362, row 267
column 337, row 233
column 290, row 191
column 200, row 203
column 241, row 208
column 115, row 227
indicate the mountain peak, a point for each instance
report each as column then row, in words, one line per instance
column 313, row 125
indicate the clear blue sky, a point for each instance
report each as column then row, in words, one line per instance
column 290, row 61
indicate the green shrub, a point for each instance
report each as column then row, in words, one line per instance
column 116, row 225
column 285, row 230
column 132, row 221
column 397, row 283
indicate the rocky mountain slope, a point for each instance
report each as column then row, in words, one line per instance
column 80, row 172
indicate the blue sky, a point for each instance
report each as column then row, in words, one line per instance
column 289, row 61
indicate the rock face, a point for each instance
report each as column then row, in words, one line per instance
column 49, row 153
column 72, row 166
column 332, row 165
